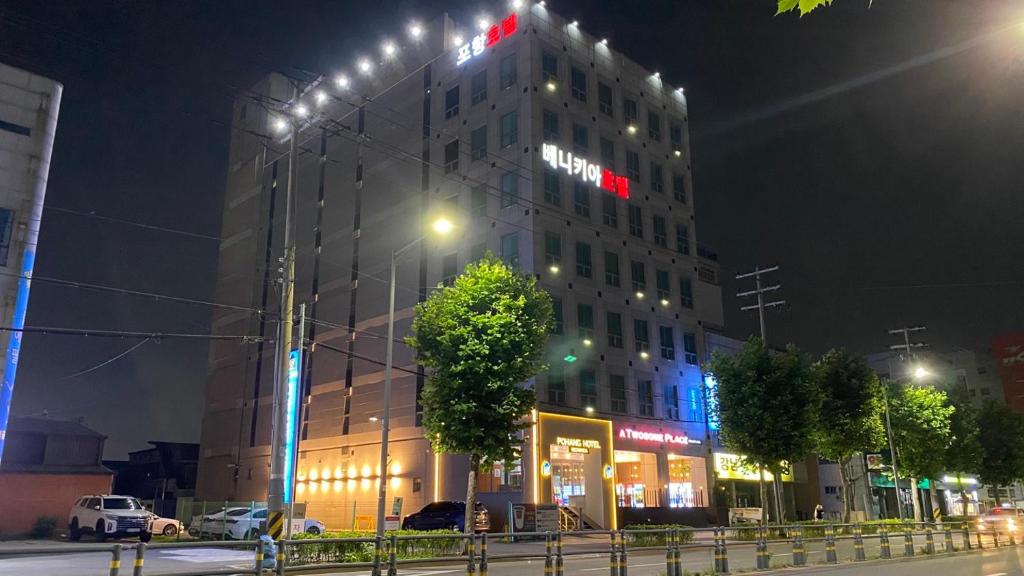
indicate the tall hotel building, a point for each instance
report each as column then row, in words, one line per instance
column 549, row 149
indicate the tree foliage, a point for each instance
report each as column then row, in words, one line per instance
column 1001, row 437
column 767, row 403
column 804, row 6
column 921, row 429
column 851, row 411
column 963, row 456
column 482, row 337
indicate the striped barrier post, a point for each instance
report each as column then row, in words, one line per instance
column 830, row 545
column 613, row 558
column 623, row 556
column 763, row 560
column 483, row 554
column 798, row 549
column 282, row 554
column 558, row 555
column 908, row 540
column 725, row 554
column 259, row 558
column 377, row 544
column 718, row 552
column 966, row 529
column 549, row 565
column 393, row 555
column 670, row 568
column 858, row 543
column 883, row 541
column 948, row 536
column 471, row 555
column 115, row 560
column 929, row 540
column 140, row 555
column 677, row 553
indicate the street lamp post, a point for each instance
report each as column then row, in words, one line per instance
column 441, row 226
column 892, row 450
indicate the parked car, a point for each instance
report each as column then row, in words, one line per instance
column 447, row 515
column 239, row 524
column 1002, row 518
column 165, row 526
column 109, row 516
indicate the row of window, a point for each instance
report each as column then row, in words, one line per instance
column 615, row 334
column 508, row 75
column 579, row 90
column 612, row 268
column 618, row 395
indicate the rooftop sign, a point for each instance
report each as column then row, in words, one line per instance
column 485, row 40
column 585, row 170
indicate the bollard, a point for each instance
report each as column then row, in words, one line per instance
column 763, row 558
column 548, row 560
column 966, row 529
column 718, row 552
column 798, row 556
column 858, row 543
column 471, row 555
column 377, row 544
column 670, row 567
column 725, row 555
column 483, row 554
column 995, row 537
column 948, row 533
column 558, row 555
column 677, row 554
column 929, row 540
column 830, row 545
column 980, row 545
column 908, row 540
column 393, row 555
column 281, row 556
column 140, row 554
column 613, row 558
column 115, row 560
column 623, row 557
column 259, row 558
column 883, row 541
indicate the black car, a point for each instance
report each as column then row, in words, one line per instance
column 447, row 515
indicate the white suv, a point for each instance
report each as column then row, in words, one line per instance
column 109, row 516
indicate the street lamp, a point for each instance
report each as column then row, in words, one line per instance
column 440, row 226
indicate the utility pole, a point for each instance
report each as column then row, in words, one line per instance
column 294, row 427
column 760, row 290
column 278, row 458
column 907, row 348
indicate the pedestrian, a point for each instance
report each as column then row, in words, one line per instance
column 819, row 512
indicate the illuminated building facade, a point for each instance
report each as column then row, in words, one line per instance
column 551, row 150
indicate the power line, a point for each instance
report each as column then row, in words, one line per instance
column 132, row 223
column 107, row 361
column 99, row 333
column 760, row 290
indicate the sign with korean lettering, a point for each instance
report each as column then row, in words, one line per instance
column 584, row 170
column 734, row 467
column 486, row 39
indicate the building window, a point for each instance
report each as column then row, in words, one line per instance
column 657, row 178
column 608, row 154
column 667, row 342
column 609, row 211
column 633, row 165
column 682, row 239
column 636, row 221
column 643, row 342
column 638, row 274
column 580, row 139
column 478, row 143
column 551, row 131
column 690, row 347
column 558, row 324
column 588, row 388
column 509, row 189
column 611, row 269
column 451, row 205
column 581, row 199
column 509, row 129
column 832, row 490
column 629, row 111
column 671, row 401
column 478, row 87
column 617, row 393
column 552, row 248
column 508, row 72
column 510, row 249
column 552, row 191
column 583, row 264
column 645, row 397
column 662, row 283
column 480, row 200
column 985, row 391
column 660, row 232
column 556, row 384
column 449, row 268
column 548, row 66
column 675, row 136
column 654, row 126
column 578, row 82
column 679, row 188
column 604, row 99
column 477, row 251
column 6, row 230
column 686, row 292
column 614, row 321
column 451, row 103
column 451, row 157
column 585, row 321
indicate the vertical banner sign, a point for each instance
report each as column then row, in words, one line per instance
column 291, row 404
column 711, row 393
column 14, row 344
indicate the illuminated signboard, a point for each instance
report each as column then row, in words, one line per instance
column 655, row 437
column 585, row 170
column 578, row 445
column 485, row 40
column 711, row 394
column 291, row 402
column 733, row 467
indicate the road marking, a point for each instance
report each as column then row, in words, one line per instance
column 605, row 568
column 997, row 574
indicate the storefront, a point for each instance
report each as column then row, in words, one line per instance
column 658, row 467
column 740, row 481
column 959, row 494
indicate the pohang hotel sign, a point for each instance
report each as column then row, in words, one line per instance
column 486, row 39
column 583, row 169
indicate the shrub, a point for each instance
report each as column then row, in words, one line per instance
column 44, row 527
column 347, row 552
column 654, row 534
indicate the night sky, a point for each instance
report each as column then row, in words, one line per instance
column 874, row 153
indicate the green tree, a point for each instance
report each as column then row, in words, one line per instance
column 920, row 428
column 483, row 337
column 804, row 6
column 963, row 456
column 1001, row 436
column 851, row 412
column 767, row 408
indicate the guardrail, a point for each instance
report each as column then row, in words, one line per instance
column 722, row 548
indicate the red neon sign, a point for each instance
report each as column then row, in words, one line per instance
column 484, row 40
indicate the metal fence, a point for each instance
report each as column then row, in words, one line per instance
column 719, row 550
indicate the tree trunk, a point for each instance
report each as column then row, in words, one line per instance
column 470, row 518
column 844, row 476
column 763, row 495
column 916, row 501
column 779, row 504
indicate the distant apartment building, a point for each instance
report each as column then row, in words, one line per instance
column 553, row 151
column 28, row 123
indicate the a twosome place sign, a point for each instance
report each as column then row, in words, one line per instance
column 486, row 39
column 653, row 437
column 584, row 170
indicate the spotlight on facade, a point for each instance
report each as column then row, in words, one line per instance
column 631, row 128
column 554, row 269
column 604, row 41
column 644, row 355
column 301, row 111
column 574, row 23
column 321, row 98
column 551, row 86
column 415, row 31
column 365, row 66
column 457, row 40
column 389, row 49
column 517, row 4
column 482, row 23
column 341, row 81
column 280, row 124
column 590, row 410
column 443, row 226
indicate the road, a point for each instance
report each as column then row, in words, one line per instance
column 584, row 556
